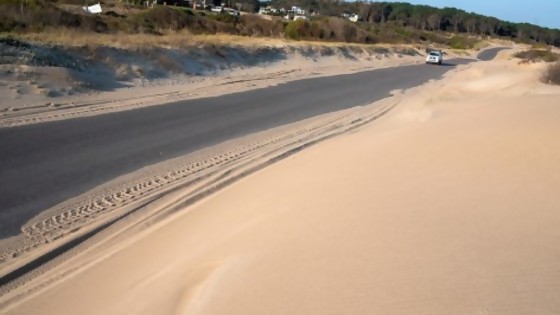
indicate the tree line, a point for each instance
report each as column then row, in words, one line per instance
column 386, row 22
column 427, row 18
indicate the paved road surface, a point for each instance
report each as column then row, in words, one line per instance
column 44, row 164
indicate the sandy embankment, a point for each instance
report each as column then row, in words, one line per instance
column 448, row 205
column 83, row 81
column 197, row 174
column 157, row 75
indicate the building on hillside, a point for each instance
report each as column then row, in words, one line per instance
column 268, row 11
column 354, row 17
column 300, row 17
column 351, row 16
column 297, row 10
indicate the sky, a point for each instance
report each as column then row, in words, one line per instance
column 540, row 12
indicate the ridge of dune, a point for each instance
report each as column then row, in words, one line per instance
column 446, row 205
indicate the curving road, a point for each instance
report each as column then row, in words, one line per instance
column 44, row 164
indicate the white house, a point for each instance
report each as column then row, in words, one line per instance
column 94, row 9
column 297, row 10
column 354, row 17
column 268, row 10
column 351, row 16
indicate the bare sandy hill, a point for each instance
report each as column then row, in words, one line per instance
column 447, row 205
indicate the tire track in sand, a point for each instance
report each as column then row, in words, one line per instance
column 62, row 228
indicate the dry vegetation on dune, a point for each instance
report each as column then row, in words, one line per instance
column 535, row 55
column 552, row 74
column 69, row 37
column 177, row 39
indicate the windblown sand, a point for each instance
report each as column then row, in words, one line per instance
column 447, row 205
column 32, row 94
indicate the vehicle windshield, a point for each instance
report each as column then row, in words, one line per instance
column 434, row 54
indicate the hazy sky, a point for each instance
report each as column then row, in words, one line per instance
column 541, row 12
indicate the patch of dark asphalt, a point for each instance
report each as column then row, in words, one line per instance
column 44, row 164
column 490, row 53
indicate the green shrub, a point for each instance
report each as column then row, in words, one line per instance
column 296, row 30
column 455, row 42
column 254, row 25
column 163, row 18
column 404, row 33
column 462, row 42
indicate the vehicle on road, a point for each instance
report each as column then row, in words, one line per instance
column 435, row 57
column 231, row 11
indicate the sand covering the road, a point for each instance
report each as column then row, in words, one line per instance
column 129, row 79
column 447, row 205
column 233, row 69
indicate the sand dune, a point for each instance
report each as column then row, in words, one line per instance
column 446, row 205
column 200, row 172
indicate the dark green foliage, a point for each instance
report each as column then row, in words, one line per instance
column 390, row 22
column 462, row 42
column 329, row 29
column 297, row 29
column 426, row 18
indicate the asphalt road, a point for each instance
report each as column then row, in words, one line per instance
column 44, row 164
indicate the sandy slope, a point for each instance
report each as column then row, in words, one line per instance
column 118, row 79
column 447, row 205
column 244, row 68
